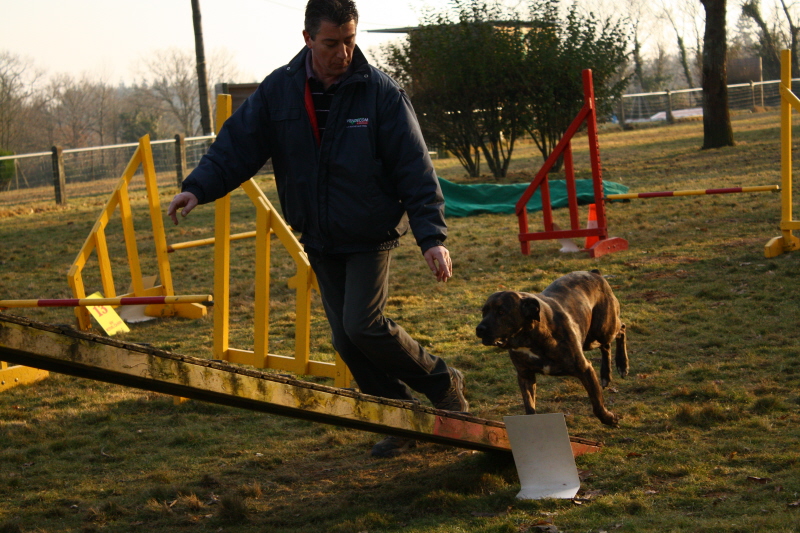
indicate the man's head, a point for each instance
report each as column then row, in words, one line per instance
column 337, row 12
column 330, row 33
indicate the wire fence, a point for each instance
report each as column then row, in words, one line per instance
column 646, row 107
column 29, row 178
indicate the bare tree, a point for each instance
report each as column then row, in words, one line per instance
column 794, row 30
column 104, row 111
column 682, row 16
column 140, row 113
column 222, row 67
column 170, row 76
column 172, row 79
column 18, row 98
column 717, row 130
column 71, row 109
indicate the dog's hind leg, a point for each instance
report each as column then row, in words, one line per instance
column 592, row 386
column 621, row 357
column 605, row 365
column 527, row 387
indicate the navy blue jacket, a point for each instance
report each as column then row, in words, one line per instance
column 359, row 188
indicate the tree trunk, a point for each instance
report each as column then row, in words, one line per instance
column 202, row 78
column 717, row 131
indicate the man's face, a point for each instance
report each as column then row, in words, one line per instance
column 332, row 48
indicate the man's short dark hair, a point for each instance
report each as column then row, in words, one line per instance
column 337, row 12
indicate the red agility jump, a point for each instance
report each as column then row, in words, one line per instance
column 597, row 239
column 604, row 244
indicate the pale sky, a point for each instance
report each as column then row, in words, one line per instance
column 106, row 39
column 109, row 40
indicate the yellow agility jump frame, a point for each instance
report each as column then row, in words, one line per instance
column 268, row 221
column 786, row 242
column 96, row 242
column 13, row 375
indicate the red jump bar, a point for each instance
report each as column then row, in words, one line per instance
column 92, row 302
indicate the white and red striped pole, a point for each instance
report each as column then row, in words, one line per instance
column 91, row 302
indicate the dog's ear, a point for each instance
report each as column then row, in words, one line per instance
column 529, row 307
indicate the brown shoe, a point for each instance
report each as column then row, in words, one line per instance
column 454, row 399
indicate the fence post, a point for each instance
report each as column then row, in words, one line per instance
column 670, row 116
column 622, row 113
column 59, row 177
column 180, row 158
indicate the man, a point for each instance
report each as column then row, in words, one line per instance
column 352, row 173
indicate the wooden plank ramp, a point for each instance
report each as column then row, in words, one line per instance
column 69, row 351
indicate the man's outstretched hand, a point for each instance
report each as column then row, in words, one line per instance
column 185, row 200
column 438, row 259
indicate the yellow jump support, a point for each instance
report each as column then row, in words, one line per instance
column 268, row 221
column 786, row 242
column 96, row 242
column 13, row 375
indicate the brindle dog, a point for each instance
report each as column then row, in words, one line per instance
column 547, row 333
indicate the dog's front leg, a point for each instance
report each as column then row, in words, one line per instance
column 527, row 387
column 592, row 386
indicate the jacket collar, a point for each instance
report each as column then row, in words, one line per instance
column 297, row 66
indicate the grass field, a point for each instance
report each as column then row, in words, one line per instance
column 711, row 408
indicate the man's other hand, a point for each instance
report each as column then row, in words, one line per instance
column 438, row 259
column 185, row 200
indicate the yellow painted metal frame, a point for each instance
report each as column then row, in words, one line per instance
column 96, row 242
column 268, row 221
column 786, row 242
column 13, row 375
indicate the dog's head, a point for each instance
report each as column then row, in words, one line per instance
column 505, row 314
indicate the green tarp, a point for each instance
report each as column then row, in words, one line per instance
column 466, row 200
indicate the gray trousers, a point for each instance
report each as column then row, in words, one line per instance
column 382, row 357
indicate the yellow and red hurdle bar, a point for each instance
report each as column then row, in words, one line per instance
column 92, row 302
column 695, row 192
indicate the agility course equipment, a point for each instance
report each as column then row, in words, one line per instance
column 92, row 302
column 597, row 242
column 162, row 300
column 13, row 375
column 787, row 242
column 538, row 437
column 96, row 242
column 696, row 192
column 69, row 351
column 604, row 244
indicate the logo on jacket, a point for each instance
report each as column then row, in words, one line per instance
column 357, row 122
